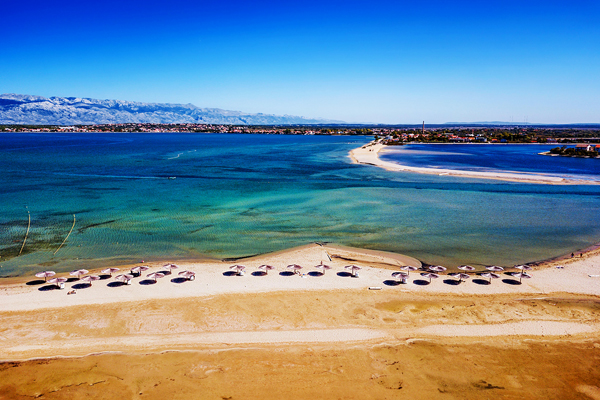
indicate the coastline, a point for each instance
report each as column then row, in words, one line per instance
column 208, row 332
column 369, row 154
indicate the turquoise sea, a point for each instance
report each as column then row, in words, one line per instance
column 238, row 195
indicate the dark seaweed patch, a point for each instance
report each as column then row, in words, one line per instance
column 84, row 228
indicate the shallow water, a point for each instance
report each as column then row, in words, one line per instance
column 238, row 195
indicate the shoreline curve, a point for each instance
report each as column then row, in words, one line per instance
column 369, row 155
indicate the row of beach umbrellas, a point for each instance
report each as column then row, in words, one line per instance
column 81, row 274
column 435, row 269
column 239, row 269
column 433, row 272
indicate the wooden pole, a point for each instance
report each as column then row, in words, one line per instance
column 64, row 241
column 26, row 233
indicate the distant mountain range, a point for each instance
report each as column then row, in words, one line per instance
column 21, row 109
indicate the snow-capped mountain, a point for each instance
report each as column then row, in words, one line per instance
column 37, row 110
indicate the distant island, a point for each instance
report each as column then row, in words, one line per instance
column 580, row 150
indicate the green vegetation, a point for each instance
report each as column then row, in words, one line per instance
column 574, row 152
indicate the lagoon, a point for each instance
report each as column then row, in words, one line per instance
column 239, row 195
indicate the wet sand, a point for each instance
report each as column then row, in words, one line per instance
column 279, row 336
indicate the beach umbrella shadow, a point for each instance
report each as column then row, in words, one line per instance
column 452, row 282
column 421, row 282
column 229, row 273
column 104, row 276
column 69, row 280
column 316, row 273
column 147, row 282
column 36, row 282
column 481, row 282
column 287, row 273
column 81, row 286
column 47, row 288
column 178, row 280
column 258, row 273
column 511, row 281
column 116, row 284
column 392, row 282
column 344, row 274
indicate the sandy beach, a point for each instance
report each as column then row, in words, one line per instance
column 369, row 154
column 306, row 335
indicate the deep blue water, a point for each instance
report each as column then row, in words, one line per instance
column 494, row 157
column 237, row 195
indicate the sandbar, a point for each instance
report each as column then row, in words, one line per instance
column 369, row 154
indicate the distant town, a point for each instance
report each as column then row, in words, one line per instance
column 390, row 135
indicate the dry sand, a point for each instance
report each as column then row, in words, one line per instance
column 369, row 154
column 308, row 336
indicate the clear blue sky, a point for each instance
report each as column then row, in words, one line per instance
column 357, row 61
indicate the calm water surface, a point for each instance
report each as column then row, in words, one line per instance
column 237, row 195
column 494, row 157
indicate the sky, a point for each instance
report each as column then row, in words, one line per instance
column 374, row 61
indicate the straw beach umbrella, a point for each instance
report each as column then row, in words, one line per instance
column 90, row 278
column 155, row 275
column 266, row 268
column 45, row 275
column 494, row 268
column 466, row 268
column 79, row 272
column 402, row 275
column 295, row 267
column 430, row 276
column 189, row 275
column 523, row 267
column 408, row 268
column 59, row 282
column 353, row 270
column 137, row 271
column 460, row 275
column 239, row 269
column 170, row 267
column 323, row 267
column 522, row 275
column 125, row 278
column 491, row 275
column 110, row 271
column 437, row 268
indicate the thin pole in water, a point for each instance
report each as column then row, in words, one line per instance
column 61, row 245
column 26, row 233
